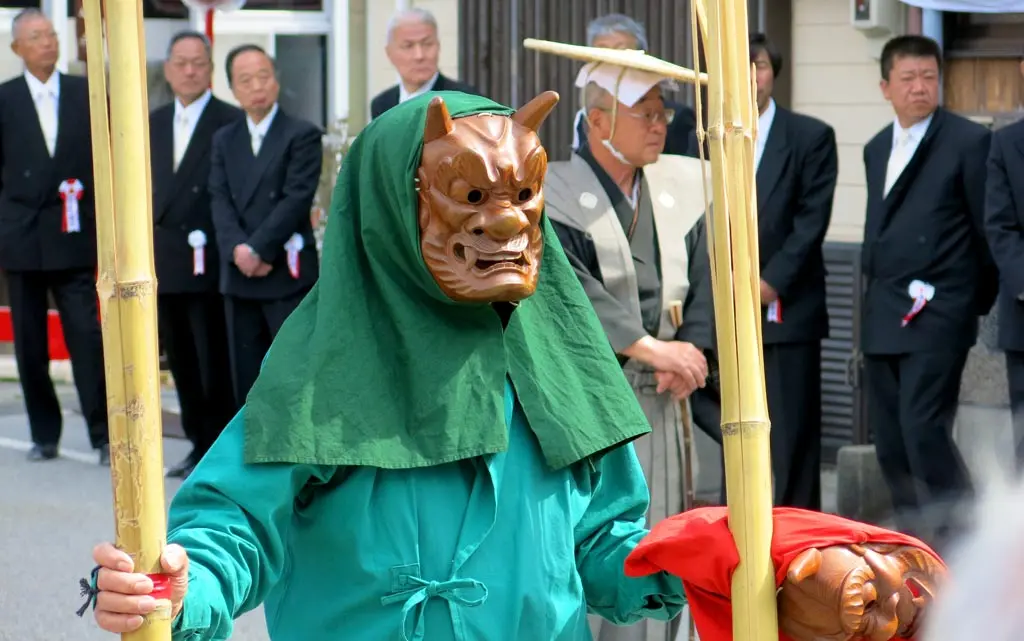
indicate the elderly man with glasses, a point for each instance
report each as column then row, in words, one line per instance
column 630, row 220
column 618, row 31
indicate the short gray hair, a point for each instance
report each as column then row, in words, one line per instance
column 416, row 15
column 616, row 23
column 596, row 97
column 190, row 35
column 25, row 14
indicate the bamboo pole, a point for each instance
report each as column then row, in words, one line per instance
column 733, row 248
column 127, row 289
column 628, row 57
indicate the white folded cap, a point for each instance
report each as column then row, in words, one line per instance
column 627, row 85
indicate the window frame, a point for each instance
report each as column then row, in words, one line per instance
column 965, row 38
column 331, row 22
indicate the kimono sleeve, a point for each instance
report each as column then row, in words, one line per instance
column 233, row 518
column 610, row 529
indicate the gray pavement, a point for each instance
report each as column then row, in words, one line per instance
column 51, row 516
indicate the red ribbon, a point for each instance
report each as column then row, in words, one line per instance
column 161, row 586
column 919, row 304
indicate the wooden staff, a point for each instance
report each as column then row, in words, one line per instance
column 733, row 248
column 127, row 292
column 675, row 309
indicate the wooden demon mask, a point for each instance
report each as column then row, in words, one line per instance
column 481, row 181
column 869, row 592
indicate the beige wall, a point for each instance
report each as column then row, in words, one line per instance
column 835, row 78
column 380, row 73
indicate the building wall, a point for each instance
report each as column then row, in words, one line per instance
column 835, row 78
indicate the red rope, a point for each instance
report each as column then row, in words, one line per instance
column 209, row 25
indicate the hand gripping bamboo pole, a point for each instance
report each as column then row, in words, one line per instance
column 733, row 247
column 127, row 291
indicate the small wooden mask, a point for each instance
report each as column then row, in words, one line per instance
column 869, row 592
column 481, row 182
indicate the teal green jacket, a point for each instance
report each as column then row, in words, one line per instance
column 498, row 548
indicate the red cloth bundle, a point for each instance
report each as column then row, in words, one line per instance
column 697, row 546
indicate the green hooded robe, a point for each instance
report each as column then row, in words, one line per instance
column 407, row 468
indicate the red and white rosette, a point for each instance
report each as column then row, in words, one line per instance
column 197, row 241
column 71, row 191
column 921, row 292
column 774, row 313
column 293, row 247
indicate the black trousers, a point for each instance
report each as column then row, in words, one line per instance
column 252, row 326
column 792, row 373
column 912, row 404
column 194, row 334
column 74, row 291
column 1015, row 379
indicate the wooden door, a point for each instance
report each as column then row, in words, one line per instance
column 984, row 87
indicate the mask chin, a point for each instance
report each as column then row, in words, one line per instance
column 464, row 284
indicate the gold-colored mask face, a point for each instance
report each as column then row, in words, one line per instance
column 869, row 592
column 481, row 197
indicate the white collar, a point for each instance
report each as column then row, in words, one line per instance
column 193, row 110
column 36, row 86
column 263, row 127
column 765, row 120
column 404, row 95
column 915, row 131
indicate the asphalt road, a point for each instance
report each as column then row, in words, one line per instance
column 51, row 516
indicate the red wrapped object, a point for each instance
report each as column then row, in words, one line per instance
column 697, row 546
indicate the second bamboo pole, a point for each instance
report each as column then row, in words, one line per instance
column 733, row 246
column 127, row 289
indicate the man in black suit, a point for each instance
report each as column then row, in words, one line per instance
column 929, row 275
column 413, row 48
column 797, row 165
column 1004, row 226
column 618, row 31
column 191, row 309
column 263, row 177
column 48, row 233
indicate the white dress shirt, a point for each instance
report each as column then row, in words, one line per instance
column 404, row 95
column 764, row 129
column 257, row 132
column 904, row 145
column 46, row 97
column 185, row 120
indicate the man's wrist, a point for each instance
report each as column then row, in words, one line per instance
column 644, row 350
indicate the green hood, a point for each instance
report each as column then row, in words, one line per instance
column 377, row 367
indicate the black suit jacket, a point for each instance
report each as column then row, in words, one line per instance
column 1004, row 226
column 796, row 182
column 263, row 200
column 31, row 210
column 181, row 199
column 930, row 227
column 389, row 97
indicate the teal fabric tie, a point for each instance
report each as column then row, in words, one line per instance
column 424, row 590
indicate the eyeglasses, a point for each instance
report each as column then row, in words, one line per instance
column 650, row 116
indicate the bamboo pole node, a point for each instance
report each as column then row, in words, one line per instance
column 735, row 275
